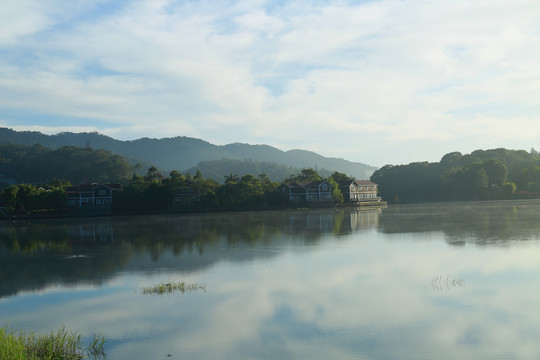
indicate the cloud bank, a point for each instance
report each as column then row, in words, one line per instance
column 371, row 81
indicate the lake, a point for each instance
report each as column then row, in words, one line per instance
column 422, row 281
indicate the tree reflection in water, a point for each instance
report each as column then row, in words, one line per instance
column 87, row 251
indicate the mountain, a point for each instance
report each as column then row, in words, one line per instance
column 182, row 153
column 217, row 169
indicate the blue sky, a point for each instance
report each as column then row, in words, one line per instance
column 379, row 82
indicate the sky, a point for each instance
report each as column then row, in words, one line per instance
column 378, row 82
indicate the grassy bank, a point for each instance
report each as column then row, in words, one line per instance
column 64, row 344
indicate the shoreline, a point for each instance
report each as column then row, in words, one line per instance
column 109, row 213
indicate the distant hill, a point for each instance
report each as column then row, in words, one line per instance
column 217, row 169
column 183, row 153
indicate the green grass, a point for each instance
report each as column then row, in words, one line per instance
column 169, row 288
column 62, row 345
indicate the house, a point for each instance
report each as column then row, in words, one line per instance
column 359, row 191
column 186, row 194
column 307, row 192
column 91, row 195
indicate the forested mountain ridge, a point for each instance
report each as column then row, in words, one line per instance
column 480, row 175
column 182, row 153
column 39, row 164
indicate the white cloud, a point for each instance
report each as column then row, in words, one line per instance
column 293, row 75
column 21, row 18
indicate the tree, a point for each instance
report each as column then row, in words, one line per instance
column 305, row 175
column 451, row 159
column 341, row 178
column 59, row 183
column 250, row 191
column 153, row 175
column 8, row 198
column 508, row 189
column 336, row 193
column 137, row 168
column 496, row 172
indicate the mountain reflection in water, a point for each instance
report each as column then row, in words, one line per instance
column 69, row 251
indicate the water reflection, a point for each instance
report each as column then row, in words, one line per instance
column 317, row 285
column 481, row 223
column 37, row 253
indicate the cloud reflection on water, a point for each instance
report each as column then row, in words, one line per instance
column 363, row 294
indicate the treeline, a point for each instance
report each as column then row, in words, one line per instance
column 481, row 175
column 38, row 164
column 217, row 169
column 176, row 192
column 154, row 192
column 25, row 199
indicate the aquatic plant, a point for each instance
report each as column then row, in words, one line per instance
column 169, row 288
column 440, row 283
column 63, row 344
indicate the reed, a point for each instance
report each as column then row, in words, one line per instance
column 171, row 287
column 63, row 344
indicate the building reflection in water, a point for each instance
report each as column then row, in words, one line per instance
column 368, row 219
column 92, row 233
column 338, row 222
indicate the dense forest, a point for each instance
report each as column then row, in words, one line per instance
column 37, row 164
column 182, row 153
column 177, row 192
column 217, row 168
column 481, row 175
column 34, row 179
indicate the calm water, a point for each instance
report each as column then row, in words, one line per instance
column 437, row 281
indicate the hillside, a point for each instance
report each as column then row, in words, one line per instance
column 182, row 153
column 481, row 175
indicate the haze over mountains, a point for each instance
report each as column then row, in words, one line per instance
column 189, row 154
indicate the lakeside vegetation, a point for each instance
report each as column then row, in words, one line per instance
column 171, row 287
column 177, row 193
column 63, row 344
column 481, row 175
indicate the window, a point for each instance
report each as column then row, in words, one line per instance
column 98, row 202
column 102, row 192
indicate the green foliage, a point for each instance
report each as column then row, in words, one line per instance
column 27, row 199
column 341, row 178
column 153, row 175
column 508, row 189
column 155, row 192
column 305, row 175
column 185, row 153
column 483, row 174
column 218, row 169
column 413, row 182
column 63, row 344
column 171, row 287
column 337, row 196
column 78, row 165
